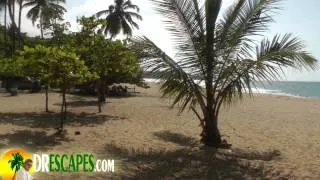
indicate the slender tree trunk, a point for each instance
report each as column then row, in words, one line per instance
column 14, row 175
column 103, row 89
column 41, row 28
column 65, row 106
column 19, row 23
column 47, row 97
column 99, row 92
column 13, row 28
column 63, row 109
column 5, row 23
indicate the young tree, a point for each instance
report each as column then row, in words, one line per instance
column 222, row 53
column 67, row 70
column 36, row 62
column 109, row 59
column 56, row 67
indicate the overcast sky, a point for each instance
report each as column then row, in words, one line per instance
column 297, row 17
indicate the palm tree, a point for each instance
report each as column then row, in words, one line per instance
column 3, row 7
column 44, row 10
column 120, row 18
column 20, row 3
column 223, row 53
column 16, row 163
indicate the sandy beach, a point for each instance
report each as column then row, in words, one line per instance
column 272, row 137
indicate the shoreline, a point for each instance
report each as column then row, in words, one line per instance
column 274, row 136
column 255, row 91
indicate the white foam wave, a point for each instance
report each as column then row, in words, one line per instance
column 254, row 90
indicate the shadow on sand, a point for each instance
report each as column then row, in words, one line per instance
column 32, row 140
column 192, row 162
column 43, row 134
column 52, row 120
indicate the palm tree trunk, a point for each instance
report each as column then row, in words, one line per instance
column 14, row 28
column 5, row 23
column 19, row 23
column 41, row 28
column 14, row 175
column 211, row 134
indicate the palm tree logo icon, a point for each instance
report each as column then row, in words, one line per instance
column 12, row 161
column 16, row 163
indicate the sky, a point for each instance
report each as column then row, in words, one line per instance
column 297, row 17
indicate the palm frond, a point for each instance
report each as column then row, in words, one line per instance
column 186, row 22
column 178, row 82
column 243, row 21
column 272, row 56
column 103, row 12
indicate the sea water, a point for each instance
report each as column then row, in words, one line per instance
column 283, row 88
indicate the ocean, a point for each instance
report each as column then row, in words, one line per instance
column 283, row 88
column 291, row 88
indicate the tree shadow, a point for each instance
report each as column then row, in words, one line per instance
column 176, row 138
column 52, row 120
column 32, row 140
column 194, row 162
column 81, row 103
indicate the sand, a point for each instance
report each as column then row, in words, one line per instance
column 272, row 137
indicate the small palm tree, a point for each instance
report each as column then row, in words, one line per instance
column 16, row 163
column 44, row 10
column 221, row 53
column 120, row 18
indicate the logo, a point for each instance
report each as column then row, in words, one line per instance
column 18, row 163
column 12, row 161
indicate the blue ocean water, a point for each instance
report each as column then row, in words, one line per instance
column 291, row 88
column 283, row 88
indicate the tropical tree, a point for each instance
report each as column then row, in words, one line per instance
column 20, row 3
column 120, row 18
column 221, row 52
column 16, row 163
column 44, row 10
column 4, row 5
column 57, row 67
column 111, row 59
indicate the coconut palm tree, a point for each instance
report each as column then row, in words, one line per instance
column 119, row 17
column 16, row 163
column 3, row 7
column 44, row 10
column 223, row 53
column 20, row 3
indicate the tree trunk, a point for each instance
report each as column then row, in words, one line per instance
column 19, row 23
column 98, row 85
column 63, row 109
column 13, row 29
column 102, row 88
column 47, row 98
column 5, row 23
column 210, row 133
column 41, row 28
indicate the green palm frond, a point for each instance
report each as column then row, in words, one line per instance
column 272, row 56
column 119, row 18
column 16, row 162
column 178, row 82
column 222, row 53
